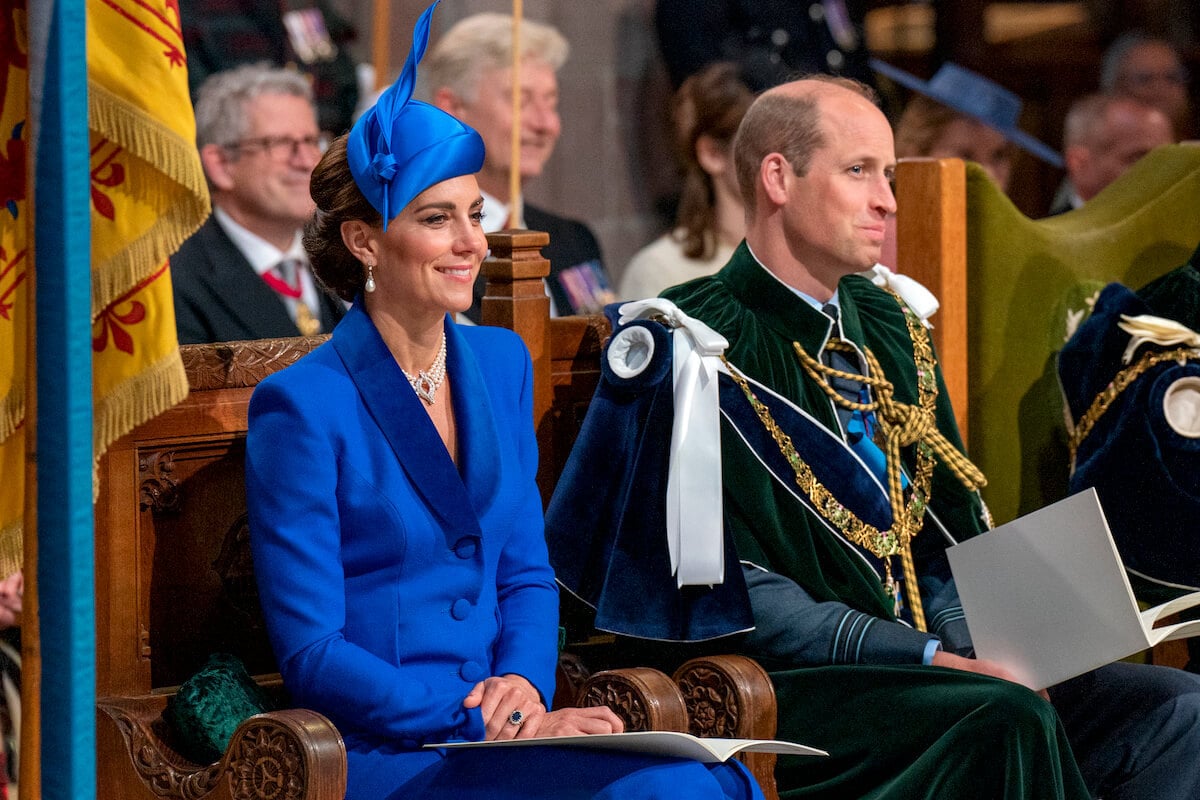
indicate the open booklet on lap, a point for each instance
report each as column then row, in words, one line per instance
column 1046, row 595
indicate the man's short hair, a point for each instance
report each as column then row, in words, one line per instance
column 788, row 124
column 1113, row 61
column 221, row 99
column 1086, row 116
column 1083, row 118
column 483, row 42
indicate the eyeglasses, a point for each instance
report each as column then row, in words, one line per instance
column 1142, row 79
column 283, row 148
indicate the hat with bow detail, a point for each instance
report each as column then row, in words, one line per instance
column 400, row 147
column 977, row 97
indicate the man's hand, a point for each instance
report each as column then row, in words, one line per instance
column 498, row 698
column 979, row 666
column 573, row 722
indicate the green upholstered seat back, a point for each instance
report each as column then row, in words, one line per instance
column 1029, row 281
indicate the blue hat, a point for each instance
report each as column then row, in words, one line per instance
column 977, row 97
column 400, row 147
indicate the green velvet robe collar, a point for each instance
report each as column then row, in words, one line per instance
column 761, row 318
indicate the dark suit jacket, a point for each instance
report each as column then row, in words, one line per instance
column 571, row 244
column 220, row 298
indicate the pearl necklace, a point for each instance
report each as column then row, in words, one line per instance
column 426, row 382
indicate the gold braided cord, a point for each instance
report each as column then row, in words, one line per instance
column 900, row 425
column 1120, row 382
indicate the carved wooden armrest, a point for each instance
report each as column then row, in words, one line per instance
column 645, row 699
column 292, row 754
column 732, row 696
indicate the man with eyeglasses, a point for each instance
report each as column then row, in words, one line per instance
column 244, row 274
column 1149, row 69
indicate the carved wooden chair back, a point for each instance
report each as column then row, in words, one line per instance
column 1011, row 287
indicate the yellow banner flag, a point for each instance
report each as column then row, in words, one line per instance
column 148, row 195
column 16, row 231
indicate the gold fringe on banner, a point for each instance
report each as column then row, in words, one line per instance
column 169, row 180
column 160, row 386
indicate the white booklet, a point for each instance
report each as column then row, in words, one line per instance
column 1047, row 596
column 659, row 743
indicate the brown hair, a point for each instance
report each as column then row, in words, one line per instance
column 710, row 103
column 338, row 200
column 787, row 123
column 920, row 126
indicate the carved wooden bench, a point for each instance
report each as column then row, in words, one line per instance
column 725, row 695
column 174, row 582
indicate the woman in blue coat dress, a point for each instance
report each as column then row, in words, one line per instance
column 395, row 521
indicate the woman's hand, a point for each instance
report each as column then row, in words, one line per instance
column 979, row 666
column 573, row 722
column 498, row 698
column 12, row 590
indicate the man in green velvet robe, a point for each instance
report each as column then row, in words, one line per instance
column 904, row 713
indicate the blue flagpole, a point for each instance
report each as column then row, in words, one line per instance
column 65, row 575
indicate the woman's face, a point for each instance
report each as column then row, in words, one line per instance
column 430, row 254
column 970, row 140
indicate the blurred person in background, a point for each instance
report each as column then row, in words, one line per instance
column 468, row 73
column 1103, row 136
column 1149, row 69
column 710, row 221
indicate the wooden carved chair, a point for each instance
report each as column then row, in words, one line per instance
column 725, row 695
column 1011, row 289
column 174, row 581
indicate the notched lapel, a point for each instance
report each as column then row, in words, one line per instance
column 478, row 430
column 404, row 423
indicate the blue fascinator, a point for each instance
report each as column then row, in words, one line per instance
column 400, row 147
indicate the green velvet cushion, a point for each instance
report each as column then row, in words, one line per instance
column 210, row 705
column 1030, row 281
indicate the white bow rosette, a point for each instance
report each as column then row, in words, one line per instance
column 916, row 296
column 695, row 532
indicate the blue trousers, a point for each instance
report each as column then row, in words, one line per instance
column 1135, row 730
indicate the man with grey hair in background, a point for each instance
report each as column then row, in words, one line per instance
column 468, row 73
column 1149, row 69
column 244, row 274
column 1103, row 136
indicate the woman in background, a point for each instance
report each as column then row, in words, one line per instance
column 710, row 223
column 395, row 521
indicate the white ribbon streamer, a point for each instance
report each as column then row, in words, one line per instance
column 1148, row 329
column 695, row 530
column 918, row 298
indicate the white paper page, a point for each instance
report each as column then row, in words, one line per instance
column 661, row 743
column 1151, row 616
column 1180, row 630
column 1046, row 595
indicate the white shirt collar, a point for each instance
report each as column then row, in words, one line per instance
column 808, row 298
column 262, row 255
column 496, row 213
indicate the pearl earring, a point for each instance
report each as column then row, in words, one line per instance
column 369, row 286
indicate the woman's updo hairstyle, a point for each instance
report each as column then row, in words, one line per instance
column 338, row 200
column 397, row 149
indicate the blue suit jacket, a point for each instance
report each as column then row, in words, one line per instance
column 392, row 581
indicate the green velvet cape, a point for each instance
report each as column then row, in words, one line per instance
column 892, row 731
